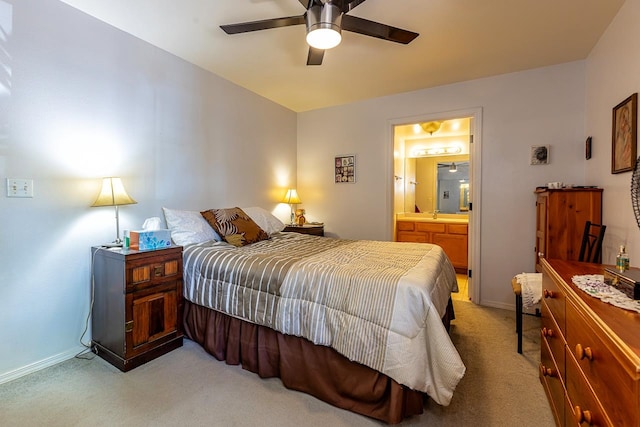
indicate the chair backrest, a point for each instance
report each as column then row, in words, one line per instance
column 591, row 248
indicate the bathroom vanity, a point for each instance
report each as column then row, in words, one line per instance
column 449, row 233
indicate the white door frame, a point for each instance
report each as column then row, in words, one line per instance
column 475, row 150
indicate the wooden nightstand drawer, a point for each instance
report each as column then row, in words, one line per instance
column 151, row 271
column 313, row 229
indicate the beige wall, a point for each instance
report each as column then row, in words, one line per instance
column 84, row 101
column 535, row 107
column 613, row 74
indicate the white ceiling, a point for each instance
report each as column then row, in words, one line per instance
column 459, row 40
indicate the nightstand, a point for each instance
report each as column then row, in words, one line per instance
column 314, row 229
column 137, row 308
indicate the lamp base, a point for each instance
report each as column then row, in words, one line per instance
column 112, row 245
column 118, row 243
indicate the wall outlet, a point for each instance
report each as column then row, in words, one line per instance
column 17, row 187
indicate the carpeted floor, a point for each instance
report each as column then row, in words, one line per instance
column 188, row 387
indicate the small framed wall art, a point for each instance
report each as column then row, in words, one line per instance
column 345, row 168
column 623, row 135
column 539, row 155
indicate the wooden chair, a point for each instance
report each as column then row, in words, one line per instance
column 590, row 251
column 591, row 247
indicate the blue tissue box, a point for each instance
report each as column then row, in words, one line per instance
column 149, row 240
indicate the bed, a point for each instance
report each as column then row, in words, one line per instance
column 359, row 324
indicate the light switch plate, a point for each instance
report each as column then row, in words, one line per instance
column 18, row 187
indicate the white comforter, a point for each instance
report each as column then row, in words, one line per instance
column 377, row 303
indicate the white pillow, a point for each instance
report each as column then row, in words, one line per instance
column 188, row 227
column 264, row 219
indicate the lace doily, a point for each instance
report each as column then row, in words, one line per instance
column 594, row 285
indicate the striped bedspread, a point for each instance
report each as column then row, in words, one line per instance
column 377, row 303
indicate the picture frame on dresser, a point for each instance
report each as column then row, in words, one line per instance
column 624, row 135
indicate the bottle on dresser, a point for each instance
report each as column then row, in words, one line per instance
column 622, row 259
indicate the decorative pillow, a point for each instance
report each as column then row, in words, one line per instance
column 235, row 226
column 265, row 220
column 188, row 227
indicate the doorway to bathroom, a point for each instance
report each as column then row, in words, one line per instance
column 436, row 189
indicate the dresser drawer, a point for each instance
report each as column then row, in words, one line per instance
column 550, row 333
column 601, row 368
column 584, row 408
column 551, row 380
column 555, row 299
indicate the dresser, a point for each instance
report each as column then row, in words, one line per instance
column 590, row 352
column 451, row 236
column 560, row 219
column 137, row 309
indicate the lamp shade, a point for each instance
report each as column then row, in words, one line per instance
column 113, row 193
column 291, row 197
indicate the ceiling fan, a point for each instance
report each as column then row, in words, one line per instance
column 325, row 19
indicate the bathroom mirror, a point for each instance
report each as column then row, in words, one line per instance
column 431, row 185
column 453, row 187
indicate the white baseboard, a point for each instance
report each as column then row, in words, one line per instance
column 42, row 364
column 498, row 304
column 511, row 307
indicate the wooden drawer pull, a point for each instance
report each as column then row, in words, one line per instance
column 547, row 332
column 157, row 270
column 548, row 294
column 581, row 416
column 547, row 372
column 582, row 353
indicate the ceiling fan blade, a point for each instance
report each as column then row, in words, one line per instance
column 306, row 3
column 376, row 29
column 315, row 56
column 265, row 24
column 350, row 5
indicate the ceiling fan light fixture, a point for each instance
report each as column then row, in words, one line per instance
column 324, row 26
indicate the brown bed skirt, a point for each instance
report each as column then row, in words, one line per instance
column 302, row 365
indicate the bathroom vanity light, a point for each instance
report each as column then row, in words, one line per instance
column 437, row 151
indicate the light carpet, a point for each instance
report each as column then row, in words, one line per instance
column 188, row 387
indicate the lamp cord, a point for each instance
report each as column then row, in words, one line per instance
column 82, row 354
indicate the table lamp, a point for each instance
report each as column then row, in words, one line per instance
column 113, row 194
column 292, row 199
